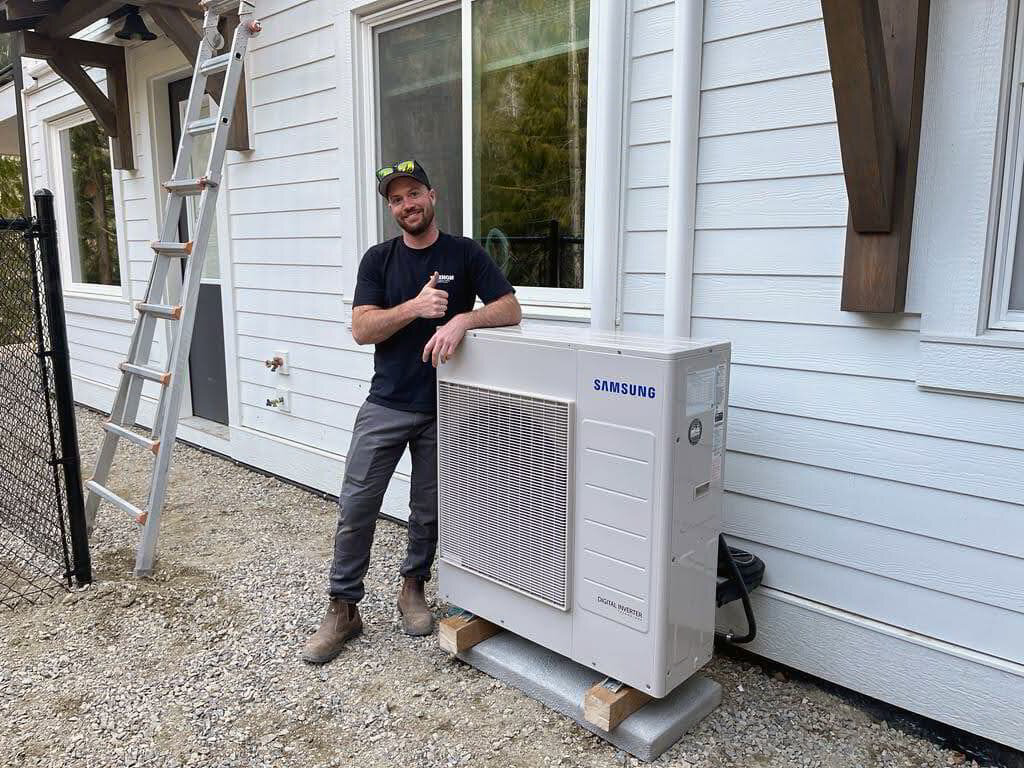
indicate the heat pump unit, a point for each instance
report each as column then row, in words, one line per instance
column 580, row 490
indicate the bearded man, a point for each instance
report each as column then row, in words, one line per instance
column 414, row 300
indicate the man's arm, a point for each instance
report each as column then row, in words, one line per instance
column 503, row 311
column 371, row 324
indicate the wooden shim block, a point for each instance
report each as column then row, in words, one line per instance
column 457, row 633
column 606, row 708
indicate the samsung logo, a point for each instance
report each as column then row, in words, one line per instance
column 624, row 388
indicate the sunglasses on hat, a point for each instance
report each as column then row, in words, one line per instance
column 406, row 166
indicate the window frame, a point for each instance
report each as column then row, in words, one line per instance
column 1010, row 174
column 958, row 204
column 558, row 303
column 66, row 216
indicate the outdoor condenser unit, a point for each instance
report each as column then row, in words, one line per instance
column 580, row 489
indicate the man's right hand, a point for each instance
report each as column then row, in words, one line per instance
column 431, row 302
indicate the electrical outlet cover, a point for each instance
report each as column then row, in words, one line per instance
column 286, row 399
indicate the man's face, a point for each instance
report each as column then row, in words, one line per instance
column 412, row 205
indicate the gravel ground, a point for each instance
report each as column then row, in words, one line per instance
column 199, row 665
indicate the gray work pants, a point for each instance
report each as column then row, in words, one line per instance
column 378, row 441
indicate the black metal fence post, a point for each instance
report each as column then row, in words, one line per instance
column 554, row 279
column 61, row 361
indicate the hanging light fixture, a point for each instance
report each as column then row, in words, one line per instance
column 134, row 27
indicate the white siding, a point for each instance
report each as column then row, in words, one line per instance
column 98, row 328
column 890, row 518
column 645, row 165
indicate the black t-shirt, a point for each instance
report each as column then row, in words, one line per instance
column 392, row 273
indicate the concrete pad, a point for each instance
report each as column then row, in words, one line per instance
column 561, row 683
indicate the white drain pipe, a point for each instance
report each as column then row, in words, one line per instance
column 605, row 135
column 688, row 43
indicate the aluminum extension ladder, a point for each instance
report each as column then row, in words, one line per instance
column 168, row 250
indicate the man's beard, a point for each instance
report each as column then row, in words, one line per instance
column 426, row 219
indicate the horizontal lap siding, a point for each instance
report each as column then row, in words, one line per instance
column 649, row 89
column 862, row 492
column 99, row 329
column 285, row 209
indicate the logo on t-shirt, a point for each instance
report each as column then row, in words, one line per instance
column 441, row 279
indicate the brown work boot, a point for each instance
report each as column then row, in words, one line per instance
column 417, row 620
column 341, row 622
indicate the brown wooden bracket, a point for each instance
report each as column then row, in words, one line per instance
column 180, row 30
column 68, row 58
column 853, row 32
column 877, row 52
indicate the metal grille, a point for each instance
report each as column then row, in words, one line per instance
column 504, row 462
column 36, row 424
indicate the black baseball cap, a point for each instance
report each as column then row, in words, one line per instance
column 408, row 168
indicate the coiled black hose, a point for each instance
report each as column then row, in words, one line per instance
column 725, row 555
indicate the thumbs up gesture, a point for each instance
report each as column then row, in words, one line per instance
column 431, row 302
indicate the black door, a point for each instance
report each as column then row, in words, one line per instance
column 206, row 357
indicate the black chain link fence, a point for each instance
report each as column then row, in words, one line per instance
column 43, row 546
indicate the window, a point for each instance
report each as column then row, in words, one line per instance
column 419, row 109
column 496, row 111
column 85, row 177
column 202, row 146
column 12, row 195
column 1007, row 303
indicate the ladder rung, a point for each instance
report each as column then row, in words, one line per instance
column 117, row 501
column 189, row 186
column 177, row 250
column 216, row 64
column 165, row 311
column 203, row 125
column 127, row 434
column 160, row 377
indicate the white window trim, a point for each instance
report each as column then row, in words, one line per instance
column 958, row 203
column 64, row 214
column 1001, row 317
column 602, row 142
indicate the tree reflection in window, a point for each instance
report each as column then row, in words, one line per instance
column 529, row 136
column 94, row 234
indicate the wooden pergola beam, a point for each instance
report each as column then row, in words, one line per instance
column 75, row 15
column 31, row 9
column 186, row 38
column 860, row 81
column 189, row 7
column 8, row 24
column 68, row 58
column 85, row 52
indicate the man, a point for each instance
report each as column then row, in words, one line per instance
column 414, row 300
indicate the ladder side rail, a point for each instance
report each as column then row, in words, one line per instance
column 209, row 196
column 170, row 404
column 172, row 214
column 124, row 410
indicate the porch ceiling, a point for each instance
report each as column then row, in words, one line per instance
column 44, row 28
column 63, row 18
